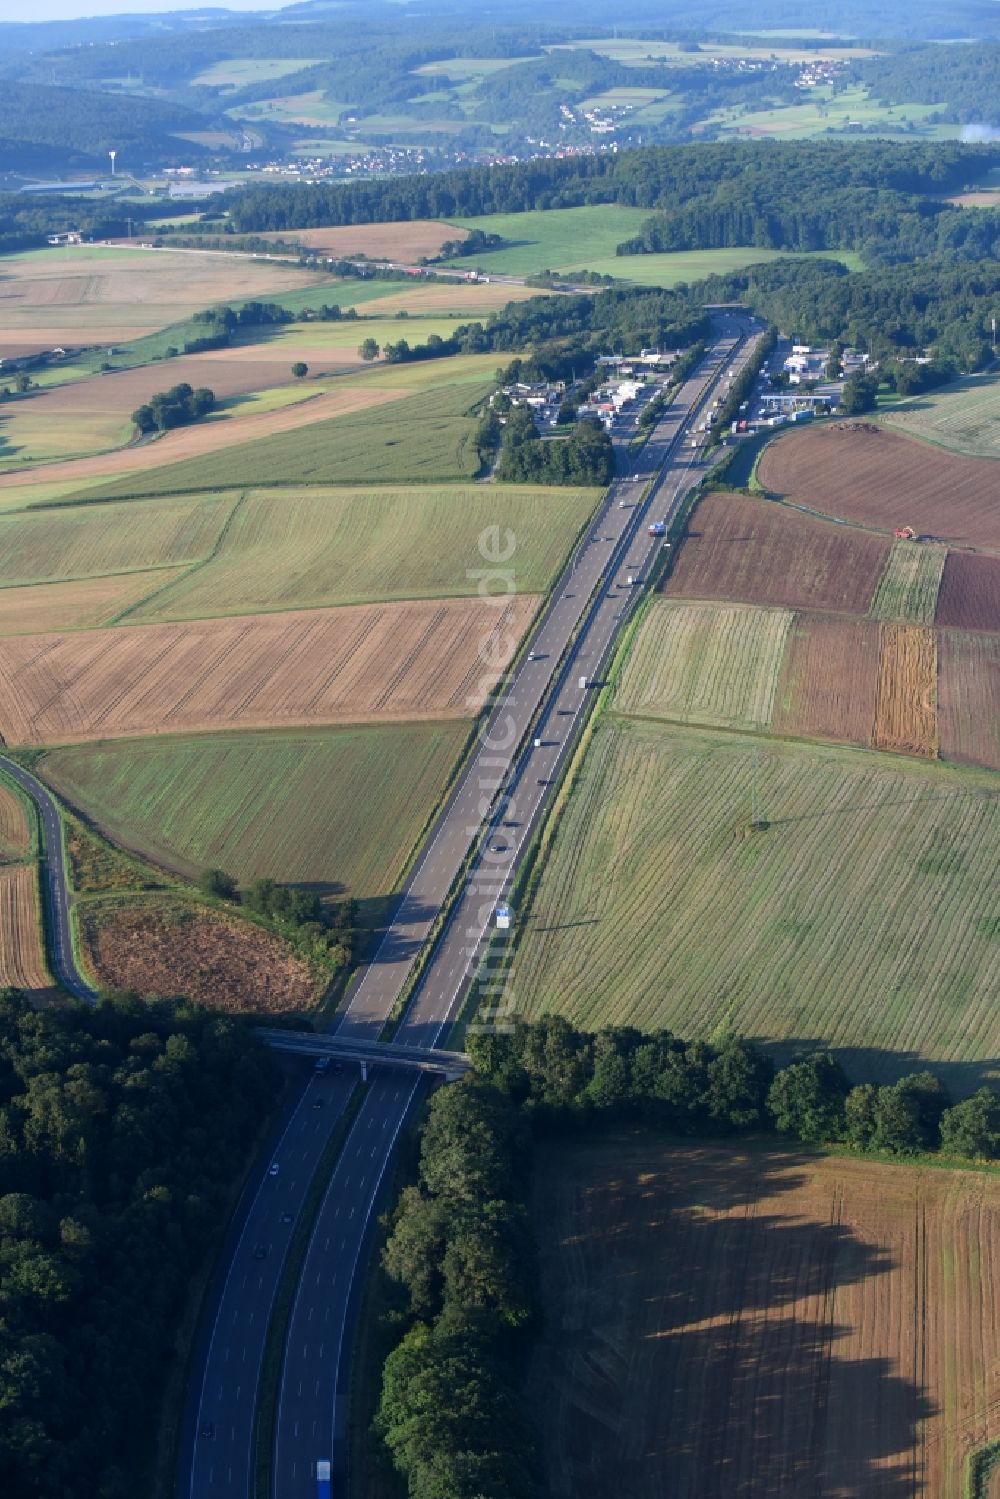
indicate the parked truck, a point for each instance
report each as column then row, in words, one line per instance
column 323, row 1479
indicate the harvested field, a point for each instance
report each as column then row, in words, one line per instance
column 879, row 478
column 706, row 663
column 759, row 1321
column 15, row 836
column 964, row 416
column 862, row 915
column 73, row 542
column 909, row 587
column 206, row 437
column 377, row 663
column 87, row 294
column 969, row 697
column 82, row 605
column 970, row 592
column 472, row 299
column 159, row 949
column 751, row 549
column 828, row 680
column 906, row 695
column 404, row 241
column 335, row 809
column 298, row 548
column 22, row 958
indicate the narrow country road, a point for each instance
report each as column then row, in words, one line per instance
column 55, row 889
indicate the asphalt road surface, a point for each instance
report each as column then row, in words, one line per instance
column 493, row 810
column 54, row 886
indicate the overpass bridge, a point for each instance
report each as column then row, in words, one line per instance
column 449, row 1064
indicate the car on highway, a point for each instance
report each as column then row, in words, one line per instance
column 273, row 1169
column 207, row 1430
column 318, row 1103
column 532, row 655
column 260, row 1251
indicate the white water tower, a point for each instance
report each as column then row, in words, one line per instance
column 112, row 154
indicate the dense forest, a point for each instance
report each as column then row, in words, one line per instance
column 39, row 124
column 800, row 178
column 122, row 1129
column 964, row 79
column 26, row 220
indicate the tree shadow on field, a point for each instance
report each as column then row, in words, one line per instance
column 699, row 1353
column 873, row 1064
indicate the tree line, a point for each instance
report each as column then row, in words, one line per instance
column 562, row 1075
column 585, row 457
column 123, row 1126
column 326, row 933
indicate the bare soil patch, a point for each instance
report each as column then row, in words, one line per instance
column 969, row 697
column 160, row 949
column 402, row 241
column 970, row 592
column 829, row 678
column 761, row 1322
column 354, row 664
column 22, row 959
column 756, row 551
column 882, row 479
column 906, row 696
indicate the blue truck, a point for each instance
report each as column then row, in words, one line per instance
column 323, row 1479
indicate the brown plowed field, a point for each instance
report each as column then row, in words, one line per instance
column 882, row 479
column 828, row 680
column 22, row 961
column 15, row 839
column 906, row 697
column 355, row 664
column 761, row 553
column 403, row 241
column 970, row 592
column 158, row 949
column 969, row 697
column 208, row 437
column 761, row 1323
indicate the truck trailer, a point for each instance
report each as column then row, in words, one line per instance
column 323, row 1479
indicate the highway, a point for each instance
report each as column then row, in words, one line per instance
column 492, row 814
column 55, row 888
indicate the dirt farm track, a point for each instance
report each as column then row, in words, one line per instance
column 762, row 1324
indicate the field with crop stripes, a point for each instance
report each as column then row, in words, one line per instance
column 87, row 541
column 332, row 809
column 908, row 589
column 964, row 417
column 294, row 548
column 726, row 1321
column 22, row 958
column 15, row 835
column 706, row 663
column 380, row 663
column 740, row 547
column 863, row 916
column 906, row 695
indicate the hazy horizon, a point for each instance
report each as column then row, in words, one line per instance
column 34, row 11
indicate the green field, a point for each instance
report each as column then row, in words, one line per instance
column 579, row 239
column 334, row 808
column 423, row 438
column 237, row 72
column 908, row 589
column 963, row 417
column 299, row 549
column 863, row 915
column 712, row 664
column 824, row 111
column 85, row 542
